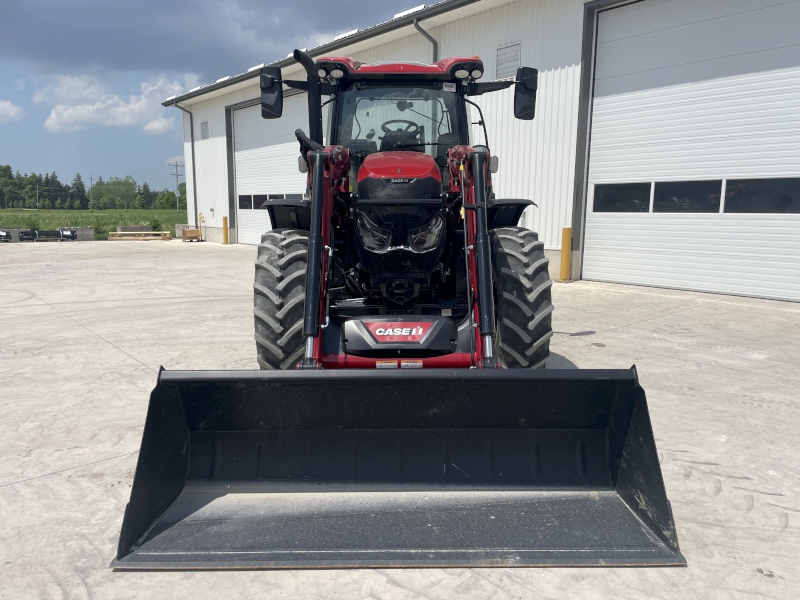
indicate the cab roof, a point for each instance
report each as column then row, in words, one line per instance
column 444, row 69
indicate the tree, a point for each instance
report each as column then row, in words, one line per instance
column 97, row 203
column 165, row 200
column 120, row 192
column 96, row 192
column 148, row 196
column 77, row 193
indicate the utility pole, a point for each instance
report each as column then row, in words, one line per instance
column 37, row 195
column 177, row 189
column 91, row 184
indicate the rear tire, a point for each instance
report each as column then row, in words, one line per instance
column 278, row 297
column 524, row 305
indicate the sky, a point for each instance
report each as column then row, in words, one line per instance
column 82, row 81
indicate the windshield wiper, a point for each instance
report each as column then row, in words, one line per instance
column 419, row 144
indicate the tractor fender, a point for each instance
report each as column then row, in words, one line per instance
column 289, row 214
column 505, row 212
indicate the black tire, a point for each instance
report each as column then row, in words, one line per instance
column 278, row 297
column 524, row 305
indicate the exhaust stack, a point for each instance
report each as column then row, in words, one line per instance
column 314, row 95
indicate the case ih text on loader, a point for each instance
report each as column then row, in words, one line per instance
column 402, row 417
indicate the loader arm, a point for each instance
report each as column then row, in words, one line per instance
column 326, row 178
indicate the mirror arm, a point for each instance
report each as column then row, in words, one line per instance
column 482, row 122
column 326, row 89
column 476, row 89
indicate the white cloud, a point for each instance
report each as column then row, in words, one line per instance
column 10, row 112
column 191, row 80
column 175, row 159
column 68, row 89
column 101, row 107
column 159, row 125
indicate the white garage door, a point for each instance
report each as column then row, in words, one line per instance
column 265, row 163
column 694, row 169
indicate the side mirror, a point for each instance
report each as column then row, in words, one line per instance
column 271, row 93
column 525, row 93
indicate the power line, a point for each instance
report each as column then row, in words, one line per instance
column 153, row 169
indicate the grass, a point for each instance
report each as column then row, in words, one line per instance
column 103, row 221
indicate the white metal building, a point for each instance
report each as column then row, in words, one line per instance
column 667, row 133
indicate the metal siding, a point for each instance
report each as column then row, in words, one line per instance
column 211, row 154
column 690, row 91
column 187, row 162
column 537, row 159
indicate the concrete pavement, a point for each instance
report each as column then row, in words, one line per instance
column 85, row 326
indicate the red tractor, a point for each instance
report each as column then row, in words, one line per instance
column 402, row 257
column 385, row 429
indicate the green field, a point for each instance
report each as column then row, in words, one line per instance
column 103, row 221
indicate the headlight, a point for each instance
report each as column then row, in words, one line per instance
column 477, row 73
column 337, row 73
column 462, row 73
column 373, row 237
column 427, row 238
column 322, row 73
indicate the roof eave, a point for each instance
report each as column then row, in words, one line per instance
column 376, row 30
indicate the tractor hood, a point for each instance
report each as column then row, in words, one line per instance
column 399, row 165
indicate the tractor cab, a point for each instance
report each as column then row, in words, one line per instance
column 400, row 131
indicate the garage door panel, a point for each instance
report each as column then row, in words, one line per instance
column 697, row 72
column 751, row 123
column 269, row 170
column 252, row 127
column 669, row 14
column 252, row 224
column 682, row 251
column 696, row 91
column 265, row 162
column 701, row 37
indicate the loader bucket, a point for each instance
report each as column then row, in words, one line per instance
column 435, row 468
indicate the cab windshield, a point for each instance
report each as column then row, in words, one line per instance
column 421, row 117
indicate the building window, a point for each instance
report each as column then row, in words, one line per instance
column 762, row 196
column 261, row 201
column 687, row 196
column 204, row 130
column 622, row 197
column 507, row 62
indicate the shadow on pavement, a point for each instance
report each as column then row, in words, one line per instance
column 556, row 361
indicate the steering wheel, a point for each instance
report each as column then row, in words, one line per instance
column 411, row 127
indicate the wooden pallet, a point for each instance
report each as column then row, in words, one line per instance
column 139, row 235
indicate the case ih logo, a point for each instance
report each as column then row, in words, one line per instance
column 399, row 332
column 400, row 180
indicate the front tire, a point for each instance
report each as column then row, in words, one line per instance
column 279, row 291
column 524, row 304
